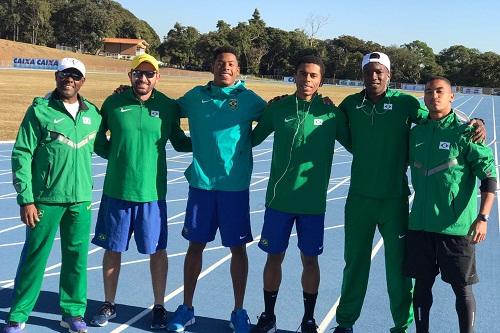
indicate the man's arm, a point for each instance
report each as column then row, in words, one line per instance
column 27, row 140
column 101, row 143
column 343, row 130
column 180, row 141
column 264, row 127
column 482, row 163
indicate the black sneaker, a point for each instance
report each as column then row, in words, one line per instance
column 309, row 326
column 266, row 324
column 339, row 329
column 105, row 313
column 159, row 317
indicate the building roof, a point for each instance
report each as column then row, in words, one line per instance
column 129, row 41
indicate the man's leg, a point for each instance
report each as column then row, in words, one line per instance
column 422, row 303
column 393, row 228
column 75, row 230
column 192, row 268
column 239, row 274
column 272, row 280
column 111, row 264
column 310, row 285
column 360, row 225
column 465, row 306
column 158, row 265
column 33, row 260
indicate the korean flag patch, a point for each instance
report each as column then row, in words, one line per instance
column 318, row 122
column 86, row 120
column 155, row 114
column 387, row 106
column 444, row 145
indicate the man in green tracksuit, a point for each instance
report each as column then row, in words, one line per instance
column 379, row 121
column 51, row 165
column 305, row 132
column 444, row 224
column 140, row 121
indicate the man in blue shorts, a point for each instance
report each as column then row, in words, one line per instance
column 140, row 121
column 220, row 119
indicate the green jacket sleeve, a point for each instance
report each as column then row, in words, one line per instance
column 343, row 133
column 178, row 138
column 417, row 110
column 102, row 144
column 28, row 138
column 480, row 158
column 264, row 127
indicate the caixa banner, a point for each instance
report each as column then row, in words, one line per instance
column 36, row 63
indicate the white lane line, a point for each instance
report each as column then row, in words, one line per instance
column 259, row 181
column 339, row 184
column 456, row 107
column 496, row 157
column 470, row 114
column 263, row 153
column 323, row 327
column 5, row 173
column 175, row 179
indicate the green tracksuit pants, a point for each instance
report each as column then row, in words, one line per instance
column 74, row 222
column 362, row 216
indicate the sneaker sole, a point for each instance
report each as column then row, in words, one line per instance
column 95, row 323
column 188, row 323
column 66, row 325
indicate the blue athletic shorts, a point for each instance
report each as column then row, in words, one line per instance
column 228, row 211
column 118, row 219
column 278, row 227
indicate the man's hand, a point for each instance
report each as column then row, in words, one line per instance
column 478, row 231
column 29, row 215
column 121, row 89
column 479, row 134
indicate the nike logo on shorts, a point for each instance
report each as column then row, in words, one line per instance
column 243, row 237
column 401, row 236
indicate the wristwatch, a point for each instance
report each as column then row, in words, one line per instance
column 483, row 217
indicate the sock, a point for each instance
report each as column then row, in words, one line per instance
column 309, row 305
column 270, row 301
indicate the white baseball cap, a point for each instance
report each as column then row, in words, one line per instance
column 66, row 63
column 379, row 57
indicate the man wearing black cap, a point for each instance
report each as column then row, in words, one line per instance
column 379, row 120
column 51, row 167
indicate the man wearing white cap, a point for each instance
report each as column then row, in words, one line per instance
column 140, row 121
column 51, row 167
column 379, row 120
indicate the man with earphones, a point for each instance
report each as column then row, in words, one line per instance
column 379, row 120
column 305, row 130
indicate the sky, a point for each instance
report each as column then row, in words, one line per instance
column 472, row 23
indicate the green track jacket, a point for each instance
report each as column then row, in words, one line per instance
column 380, row 135
column 51, row 159
column 444, row 165
column 304, row 141
column 137, row 162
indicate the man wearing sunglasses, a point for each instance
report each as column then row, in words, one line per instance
column 51, row 167
column 140, row 121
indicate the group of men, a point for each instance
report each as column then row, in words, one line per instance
column 52, row 175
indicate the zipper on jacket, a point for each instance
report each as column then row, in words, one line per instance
column 47, row 176
column 425, row 177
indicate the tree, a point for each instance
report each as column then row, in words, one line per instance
column 179, row 46
column 455, row 61
column 426, row 59
column 314, row 23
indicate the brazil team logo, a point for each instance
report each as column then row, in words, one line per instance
column 155, row 113
column 264, row 242
column 101, row 237
column 233, row 103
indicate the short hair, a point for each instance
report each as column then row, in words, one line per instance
column 438, row 78
column 311, row 59
column 224, row 49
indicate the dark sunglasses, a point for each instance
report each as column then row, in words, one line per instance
column 138, row 74
column 74, row 76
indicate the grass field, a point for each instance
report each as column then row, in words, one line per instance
column 19, row 87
